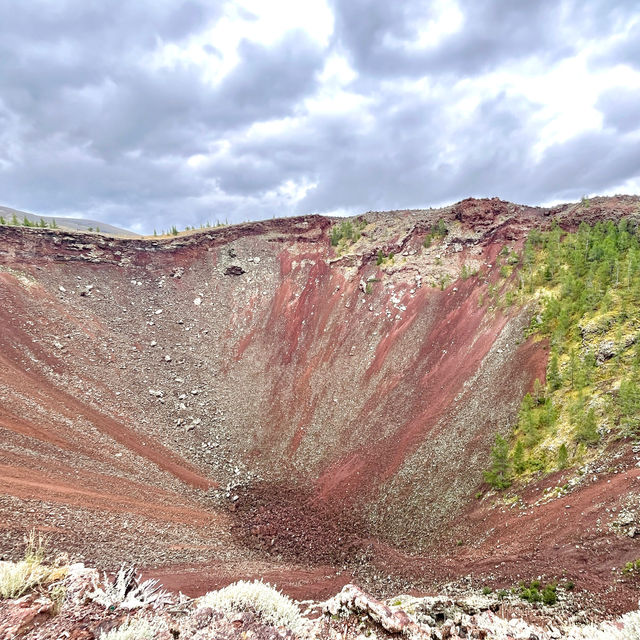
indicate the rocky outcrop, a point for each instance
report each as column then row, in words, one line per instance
column 69, row 609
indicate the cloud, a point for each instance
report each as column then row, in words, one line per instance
column 621, row 108
column 414, row 38
column 177, row 112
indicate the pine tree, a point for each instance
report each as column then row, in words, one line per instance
column 587, row 431
column 554, row 380
column 563, row 456
column 517, row 460
column 538, row 392
column 498, row 475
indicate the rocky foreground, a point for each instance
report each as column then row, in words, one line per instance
column 85, row 605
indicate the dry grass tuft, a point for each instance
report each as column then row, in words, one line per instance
column 17, row 578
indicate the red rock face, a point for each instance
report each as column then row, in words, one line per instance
column 154, row 394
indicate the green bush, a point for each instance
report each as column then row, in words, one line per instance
column 534, row 591
column 437, row 231
column 347, row 231
column 549, row 595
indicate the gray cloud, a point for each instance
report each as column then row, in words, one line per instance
column 383, row 38
column 621, row 108
column 88, row 125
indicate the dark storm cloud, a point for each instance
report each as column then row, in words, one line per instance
column 90, row 124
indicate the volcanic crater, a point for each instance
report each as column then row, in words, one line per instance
column 250, row 401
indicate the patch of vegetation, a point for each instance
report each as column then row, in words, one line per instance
column 498, row 475
column 437, row 232
column 631, row 567
column 443, row 281
column 18, row 578
column 587, row 287
column 368, row 288
column 137, row 629
column 25, row 222
column 346, row 233
column 384, row 259
column 535, row 592
column 263, row 600
column 468, row 272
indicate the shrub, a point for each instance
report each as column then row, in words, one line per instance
column 17, row 578
column 549, row 595
column 137, row 629
column 535, row 592
column 383, row 259
column 262, row 599
column 127, row 591
column 438, row 230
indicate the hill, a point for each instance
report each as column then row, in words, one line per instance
column 68, row 224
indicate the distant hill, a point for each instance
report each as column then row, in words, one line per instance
column 71, row 224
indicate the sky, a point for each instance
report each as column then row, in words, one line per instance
column 155, row 113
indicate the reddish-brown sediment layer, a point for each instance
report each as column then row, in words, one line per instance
column 242, row 395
